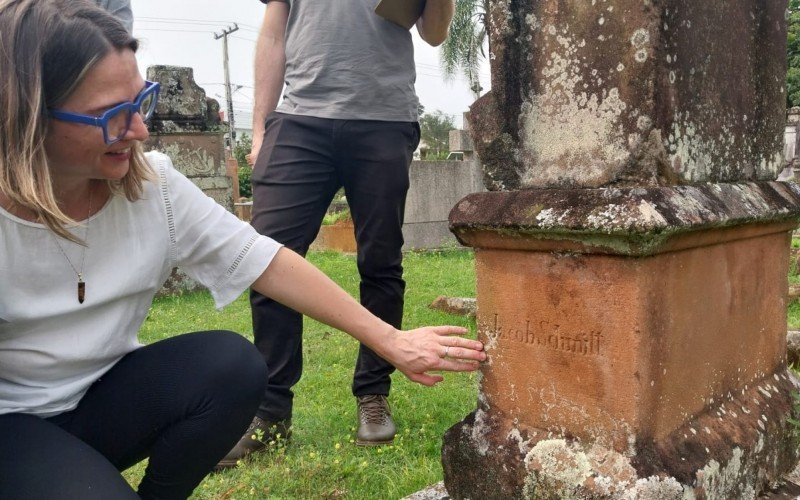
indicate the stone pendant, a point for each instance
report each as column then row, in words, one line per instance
column 81, row 290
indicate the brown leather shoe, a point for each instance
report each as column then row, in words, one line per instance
column 260, row 434
column 375, row 425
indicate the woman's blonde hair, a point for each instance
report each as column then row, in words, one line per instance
column 46, row 49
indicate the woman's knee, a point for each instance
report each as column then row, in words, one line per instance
column 231, row 361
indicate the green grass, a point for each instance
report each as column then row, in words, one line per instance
column 793, row 313
column 334, row 218
column 322, row 460
column 793, row 316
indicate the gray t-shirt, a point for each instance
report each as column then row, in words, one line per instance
column 121, row 9
column 344, row 61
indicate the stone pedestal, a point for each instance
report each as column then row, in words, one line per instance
column 631, row 256
column 636, row 341
column 339, row 237
column 200, row 157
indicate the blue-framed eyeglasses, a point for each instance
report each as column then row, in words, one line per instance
column 116, row 121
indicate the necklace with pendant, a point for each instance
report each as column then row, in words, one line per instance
column 79, row 273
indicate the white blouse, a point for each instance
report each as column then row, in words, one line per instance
column 52, row 348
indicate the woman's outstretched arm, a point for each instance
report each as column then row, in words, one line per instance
column 295, row 283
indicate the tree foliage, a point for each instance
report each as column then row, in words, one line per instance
column 242, row 149
column 793, row 55
column 435, row 131
column 463, row 50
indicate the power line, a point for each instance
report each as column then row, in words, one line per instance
column 214, row 22
column 210, row 25
column 206, row 32
column 245, row 39
column 171, row 21
column 221, row 83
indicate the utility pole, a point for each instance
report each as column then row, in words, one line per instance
column 228, row 96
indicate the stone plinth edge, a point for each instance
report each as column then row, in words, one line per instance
column 624, row 221
column 736, row 448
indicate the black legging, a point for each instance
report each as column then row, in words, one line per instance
column 183, row 402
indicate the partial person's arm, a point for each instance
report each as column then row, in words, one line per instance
column 434, row 23
column 270, row 67
column 295, row 283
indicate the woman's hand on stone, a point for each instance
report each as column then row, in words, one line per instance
column 434, row 348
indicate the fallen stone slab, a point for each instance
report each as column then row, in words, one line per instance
column 433, row 492
column 793, row 346
column 461, row 306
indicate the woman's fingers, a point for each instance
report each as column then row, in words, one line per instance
column 449, row 336
column 425, row 379
column 449, row 330
column 450, row 365
column 450, row 342
column 439, row 348
column 463, row 353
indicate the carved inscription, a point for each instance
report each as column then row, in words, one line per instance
column 549, row 336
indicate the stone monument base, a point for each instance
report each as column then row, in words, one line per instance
column 636, row 343
column 737, row 448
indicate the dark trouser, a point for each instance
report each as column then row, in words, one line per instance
column 183, row 402
column 303, row 161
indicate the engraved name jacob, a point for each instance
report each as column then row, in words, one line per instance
column 547, row 335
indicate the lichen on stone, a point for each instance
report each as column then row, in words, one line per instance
column 522, row 444
column 481, row 432
column 559, row 468
column 566, row 132
column 723, row 482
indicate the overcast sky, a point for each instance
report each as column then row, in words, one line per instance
column 181, row 33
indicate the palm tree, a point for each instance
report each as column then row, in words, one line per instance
column 463, row 49
column 793, row 54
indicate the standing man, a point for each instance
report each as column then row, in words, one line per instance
column 348, row 119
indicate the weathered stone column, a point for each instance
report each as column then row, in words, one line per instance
column 791, row 141
column 631, row 255
column 460, row 141
column 186, row 127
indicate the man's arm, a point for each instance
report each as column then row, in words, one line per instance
column 294, row 282
column 434, row 23
column 270, row 67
